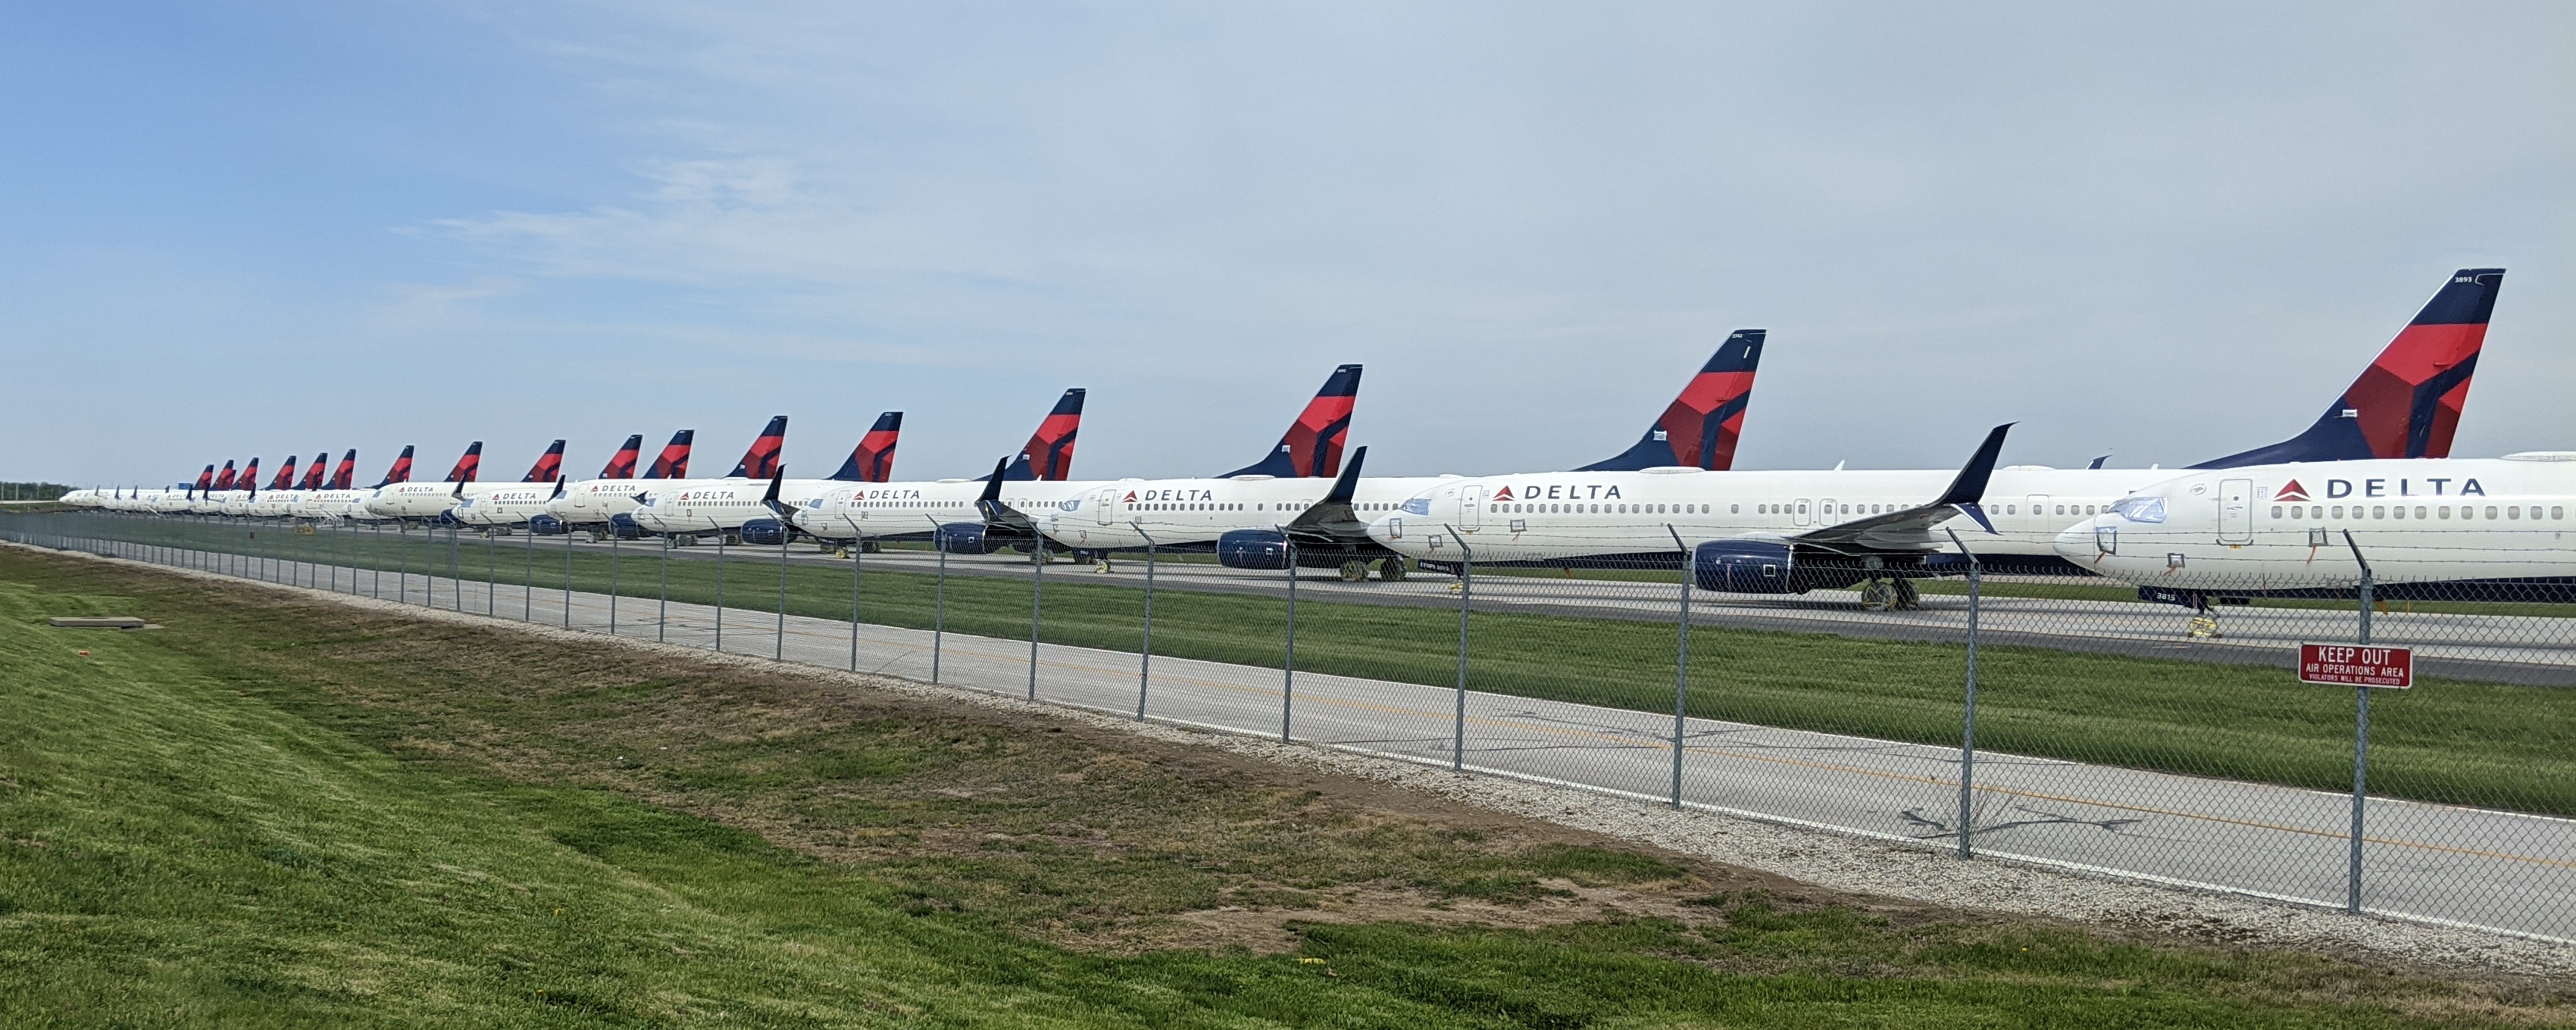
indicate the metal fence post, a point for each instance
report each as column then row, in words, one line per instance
column 2360, row 740
column 858, row 557
column 567, row 611
column 455, row 569
column 376, row 560
column 778, row 651
column 1145, row 657
column 1681, row 663
column 720, row 564
column 1037, row 600
column 939, row 607
column 528, row 578
column 491, row 575
column 402, row 566
column 662, row 609
column 1466, row 597
column 1968, row 713
column 612, row 578
column 1288, row 666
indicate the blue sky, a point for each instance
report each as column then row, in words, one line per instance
column 2164, row 233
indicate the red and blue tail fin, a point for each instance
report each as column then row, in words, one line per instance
column 674, row 462
column 1049, row 453
column 761, row 461
column 622, row 464
column 206, row 479
column 313, row 473
column 548, row 466
column 467, row 464
column 1699, row 430
column 285, row 475
column 224, row 479
column 2408, row 402
column 873, row 460
column 1313, row 445
column 249, row 476
column 401, row 472
column 347, row 473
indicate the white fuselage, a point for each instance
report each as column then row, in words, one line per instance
column 329, row 504
column 275, row 504
column 429, row 500
column 2282, row 527
column 593, row 502
column 173, row 502
column 505, row 505
column 82, row 498
column 725, row 505
column 1565, row 515
column 1130, row 513
column 861, row 511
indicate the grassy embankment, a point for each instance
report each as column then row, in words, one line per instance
column 274, row 813
column 2451, row 742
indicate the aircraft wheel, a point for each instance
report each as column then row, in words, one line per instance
column 1354, row 572
column 1391, row 570
column 871, row 547
column 685, row 540
column 1876, row 596
column 1907, row 598
column 733, row 540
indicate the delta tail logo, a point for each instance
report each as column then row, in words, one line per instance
column 2291, row 491
column 1503, row 494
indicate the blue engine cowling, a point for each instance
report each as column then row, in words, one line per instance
column 968, row 538
column 624, row 527
column 765, row 532
column 1744, row 567
column 1253, row 549
column 545, row 525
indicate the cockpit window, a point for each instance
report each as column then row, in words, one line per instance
column 2140, row 509
column 1418, row 506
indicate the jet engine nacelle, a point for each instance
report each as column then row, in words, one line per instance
column 1744, row 567
column 545, row 525
column 624, row 527
column 968, row 538
column 1253, row 549
column 767, row 532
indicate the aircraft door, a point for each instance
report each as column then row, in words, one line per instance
column 2236, row 511
column 1802, row 514
column 1825, row 512
column 1471, row 507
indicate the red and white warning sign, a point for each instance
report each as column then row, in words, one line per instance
column 2353, row 665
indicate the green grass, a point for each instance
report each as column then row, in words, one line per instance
column 2451, row 742
column 278, row 814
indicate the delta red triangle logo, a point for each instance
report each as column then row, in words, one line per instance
column 1131, row 497
column 1503, row 494
column 2291, row 491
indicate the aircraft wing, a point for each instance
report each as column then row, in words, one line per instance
column 997, row 514
column 1910, row 529
column 1332, row 519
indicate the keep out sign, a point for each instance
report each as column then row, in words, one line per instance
column 2353, row 665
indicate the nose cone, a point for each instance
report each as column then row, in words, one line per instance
column 2077, row 543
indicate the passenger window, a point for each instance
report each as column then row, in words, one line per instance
column 2513, row 512
column 2276, row 511
column 2491, row 511
column 2556, row 512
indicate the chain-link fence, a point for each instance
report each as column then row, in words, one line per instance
column 2065, row 719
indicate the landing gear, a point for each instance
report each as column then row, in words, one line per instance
column 2203, row 624
column 733, row 540
column 1889, row 595
column 1354, row 571
column 1391, row 570
column 685, row 540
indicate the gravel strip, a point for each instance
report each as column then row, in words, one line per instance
column 1835, row 861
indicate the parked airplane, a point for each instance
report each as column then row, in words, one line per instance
column 597, row 503
column 760, row 460
column 337, row 494
column 734, row 507
column 1247, row 518
column 1790, row 521
column 431, row 500
column 2463, row 529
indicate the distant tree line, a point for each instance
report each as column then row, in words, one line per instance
column 32, row 491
